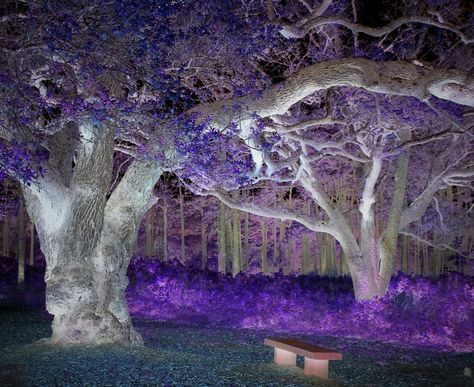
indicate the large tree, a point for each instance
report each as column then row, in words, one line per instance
column 313, row 116
column 93, row 97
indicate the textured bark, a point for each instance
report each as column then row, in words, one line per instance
column 392, row 78
column 88, row 240
column 389, row 237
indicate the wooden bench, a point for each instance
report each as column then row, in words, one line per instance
column 316, row 358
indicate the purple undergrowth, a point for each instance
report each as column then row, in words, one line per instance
column 417, row 311
column 430, row 312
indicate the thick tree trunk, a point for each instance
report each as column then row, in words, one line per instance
column 366, row 285
column 88, row 241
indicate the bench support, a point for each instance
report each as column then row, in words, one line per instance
column 285, row 357
column 316, row 367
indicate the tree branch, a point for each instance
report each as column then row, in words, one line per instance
column 299, row 30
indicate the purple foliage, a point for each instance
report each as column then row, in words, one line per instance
column 418, row 311
column 21, row 160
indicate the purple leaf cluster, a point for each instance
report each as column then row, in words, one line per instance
column 211, row 156
column 21, row 161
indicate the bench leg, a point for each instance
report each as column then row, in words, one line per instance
column 285, row 357
column 316, row 367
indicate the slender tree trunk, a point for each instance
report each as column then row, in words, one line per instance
column 5, row 236
column 158, row 248
column 237, row 244
column 405, row 253
column 275, row 241
column 426, row 259
column 165, row 232
column 181, row 222
column 436, row 258
column 21, row 247
column 229, row 239
column 203, row 242
column 150, row 240
column 281, row 244
column 221, row 231
column 31, row 260
column 321, row 239
column 305, row 245
column 246, row 242
column 263, row 226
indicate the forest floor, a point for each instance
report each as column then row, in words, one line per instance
column 195, row 355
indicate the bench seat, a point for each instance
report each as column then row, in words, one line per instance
column 316, row 359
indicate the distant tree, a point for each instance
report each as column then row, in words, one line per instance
column 314, row 126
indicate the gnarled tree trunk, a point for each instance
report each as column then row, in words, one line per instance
column 88, row 240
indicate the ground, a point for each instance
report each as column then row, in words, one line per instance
column 192, row 355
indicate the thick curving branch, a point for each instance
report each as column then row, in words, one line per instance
column 392, row 78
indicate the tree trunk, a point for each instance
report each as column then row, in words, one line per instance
column 203, row 242
column 150, row 240
column 21, row 247
column 237, row 244
column 5, row 236
column 275, row 242
column 263, row 225
column 165, row 232
column 365, row 284
column 246, row 256
column 229, row 239
column 181, row 222
column 31, row 260
column 405, row 253
column 221, row 242
column 88, row 241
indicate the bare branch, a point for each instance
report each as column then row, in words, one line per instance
column 442, row 246
column 299, row 30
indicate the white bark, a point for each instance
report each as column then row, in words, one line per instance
column 392, row 78
column 88, row 240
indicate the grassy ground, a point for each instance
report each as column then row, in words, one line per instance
column 187, row 355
